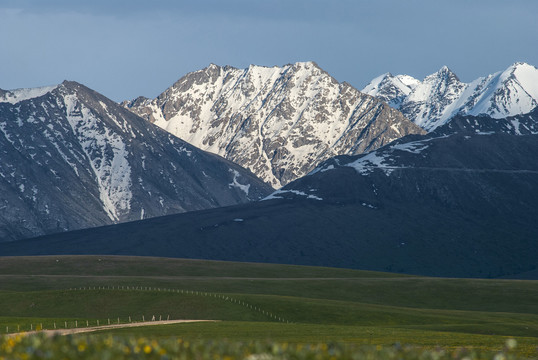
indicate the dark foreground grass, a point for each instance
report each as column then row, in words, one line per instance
column 108, row 347
column 312, row 333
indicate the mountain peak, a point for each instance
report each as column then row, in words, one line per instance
column 276, row 121
column 307, row 64
column 254, row 67
column 445, row 73
column 391, row 89
column 442, row 95
column 70, row 84
column 522, row 69
column 18, row 95
column 519, row 64
column 211, row 68
column 408, row 80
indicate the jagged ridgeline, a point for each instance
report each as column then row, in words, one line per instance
column 71, row 159
column 434, row 101
column 279, row 122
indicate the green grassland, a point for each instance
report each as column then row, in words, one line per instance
column 294, row 304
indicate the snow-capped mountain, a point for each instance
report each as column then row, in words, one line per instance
column 279, row 122
column 441, row 96
column 71, row 158
column 390, row 88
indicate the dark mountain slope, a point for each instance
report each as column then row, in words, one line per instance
column 463, row 205
column 523, row 124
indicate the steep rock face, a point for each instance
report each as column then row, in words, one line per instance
column 72, row 158
column 278, row 122
column 430, row 99
column 441, row 96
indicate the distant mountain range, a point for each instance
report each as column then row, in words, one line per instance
column 363, row 186
column 278, row 122
column 71, row 159
column 441, row 96
column 461, row 205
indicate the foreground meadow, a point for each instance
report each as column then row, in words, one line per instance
column 273, row 311
column 109, row 347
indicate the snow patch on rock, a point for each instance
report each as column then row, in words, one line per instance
column 18, row 95
column 107, row 155
column 245, row 188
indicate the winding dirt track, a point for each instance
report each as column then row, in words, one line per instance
column 105, row 327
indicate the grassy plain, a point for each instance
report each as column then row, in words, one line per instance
column 266, row 302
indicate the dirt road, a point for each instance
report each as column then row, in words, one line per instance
column 105, row 327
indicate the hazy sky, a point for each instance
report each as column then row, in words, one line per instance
column 127, row 48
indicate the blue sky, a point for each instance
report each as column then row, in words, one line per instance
column 124, row 49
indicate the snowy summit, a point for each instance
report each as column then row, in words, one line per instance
column 439, row 97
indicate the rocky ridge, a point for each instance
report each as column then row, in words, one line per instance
column 441, row 96
column 279, row 122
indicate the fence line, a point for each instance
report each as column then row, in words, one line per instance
column 71, row 324
column 191, row 292
column 67, row 324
